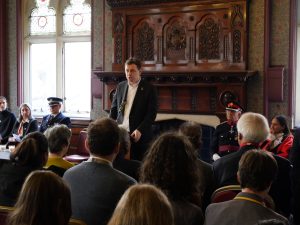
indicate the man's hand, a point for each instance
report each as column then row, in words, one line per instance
column 136, row 135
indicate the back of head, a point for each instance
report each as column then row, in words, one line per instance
column 143, row 204
column 103, row 136
column 257, row 170
column 58, row 137
column 124, row 142
column 32, row 151
column 193, row 131
column 253, row 127
column 44, row 199
column 171, row 165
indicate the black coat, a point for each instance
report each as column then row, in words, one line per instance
column 7, row 121
column 58, row 119
column 28, row 127
column 225, row 173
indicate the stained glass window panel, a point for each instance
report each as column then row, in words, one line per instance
column 42, row 19
column 77, row 17
column 43, row 75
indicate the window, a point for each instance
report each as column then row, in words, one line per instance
column 57, row 60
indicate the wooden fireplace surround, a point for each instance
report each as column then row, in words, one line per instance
column 194, row 52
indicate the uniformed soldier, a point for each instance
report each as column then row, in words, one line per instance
column 56, row 117
column 225, row 138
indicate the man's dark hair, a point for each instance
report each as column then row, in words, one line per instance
column 257, row 170
column 103, row 136
column 135, row 61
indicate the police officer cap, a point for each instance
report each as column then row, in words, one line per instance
column 234, row 106
column 54, row 101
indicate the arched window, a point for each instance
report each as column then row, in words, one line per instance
column 57, row 59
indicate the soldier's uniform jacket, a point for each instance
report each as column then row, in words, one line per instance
column 225, row 139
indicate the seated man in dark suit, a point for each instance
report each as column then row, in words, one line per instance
column 7, row 121
column 56, row 117
column 253, row 128
column 257, row 170
column 96, row 187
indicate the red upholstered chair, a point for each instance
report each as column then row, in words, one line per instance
column 4, row 211
column 81, row 153
column 225, row 193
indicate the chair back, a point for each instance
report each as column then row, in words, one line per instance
column 76, row 222
column 225, row 193
column 81, row 153
column 4, row 211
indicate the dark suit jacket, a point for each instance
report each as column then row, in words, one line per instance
column 96, row 188
column 129, row 167
column 225, row 173
column 7, row 121
column 58, row 119
column 240, row 211
column 295, row 176
column 143, row 111
column 29, row 127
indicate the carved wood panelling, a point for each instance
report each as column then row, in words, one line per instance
column 197, row 36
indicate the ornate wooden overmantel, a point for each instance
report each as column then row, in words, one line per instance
column 194, row 52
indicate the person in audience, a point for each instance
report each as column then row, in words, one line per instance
column 225, row 139
column 129, row 167
column 256, row 172
column 193, row 131
column 25, row 123
column 295, row 176
column 253, row 129
column 45, row 199
column 96, row 187
column 171, row 165
column 143, row 204
column 134, row 107
column 280, row 139
column 59, row 137
column 31, row 154
column 55, row 116
column 7, row 121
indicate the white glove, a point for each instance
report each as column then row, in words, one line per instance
column 216, row 157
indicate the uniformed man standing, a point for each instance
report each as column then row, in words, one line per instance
column 56, row 117
column 225, row 138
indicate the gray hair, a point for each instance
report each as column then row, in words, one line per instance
column 58, row 137
column 253, row 127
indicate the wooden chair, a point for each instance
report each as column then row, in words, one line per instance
column 76, row 222
column 4, row 211
column 82, row 153
column 225, row 193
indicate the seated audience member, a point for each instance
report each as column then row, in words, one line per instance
column 171, row 165
column 55, row 116
column 224, row 139
column 25, row 123
column 58, row 141
column 96, row 187
column 257, row 170
column 129, row 167
column 295, row 176
column 44, row 199
column 253, row 129
column 280, row 139
column 193, row 131
column 7, row 121
column 31, row 154
column 143, row 204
